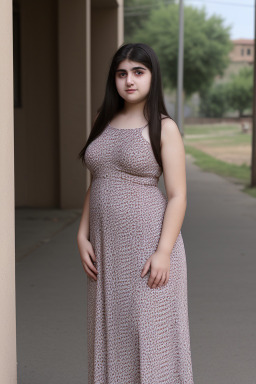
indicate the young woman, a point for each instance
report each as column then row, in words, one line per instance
column 129, row 236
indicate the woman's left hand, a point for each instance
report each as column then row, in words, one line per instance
column 159, row 264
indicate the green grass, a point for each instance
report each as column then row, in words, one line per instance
column 220, row 141
column 211, row 128
column 209, row 163
column 219, row 135
column 237, row 173
column 250, row 191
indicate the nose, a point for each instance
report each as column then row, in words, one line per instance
column 129, row 79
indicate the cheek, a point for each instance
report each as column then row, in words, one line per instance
column 118, row 84
column 146, row 84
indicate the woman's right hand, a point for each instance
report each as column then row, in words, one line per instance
column 86, row 254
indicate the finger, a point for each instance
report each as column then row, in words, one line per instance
column 151, row 278
column 158, row 278
column 145, row 268
column 91, row 252
column 89, row 272
column 162, row 281
column 90, row 264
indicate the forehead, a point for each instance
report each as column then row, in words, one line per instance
column 129, row 64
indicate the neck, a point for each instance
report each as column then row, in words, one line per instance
column 135, row 109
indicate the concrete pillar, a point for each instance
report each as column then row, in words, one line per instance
column 74, row 98
column 36, row 131
column 107, row 21
column 120, row 22
column 88, row 77
column 8, row 357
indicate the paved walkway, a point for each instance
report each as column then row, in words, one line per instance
column 219, row 235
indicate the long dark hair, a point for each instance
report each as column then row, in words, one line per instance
column 113, row 102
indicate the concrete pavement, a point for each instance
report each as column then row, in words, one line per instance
column 219, row 233
column 219, row 236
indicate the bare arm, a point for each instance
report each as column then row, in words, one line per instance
column 173, row 159
column 86, row 250
column 84, row 229
column 174, row 171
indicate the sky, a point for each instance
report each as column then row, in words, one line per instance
column 237, row 13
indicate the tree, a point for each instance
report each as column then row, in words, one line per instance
column 240, row 90
column 214, row 102
column 206, row 45
column 135, row 13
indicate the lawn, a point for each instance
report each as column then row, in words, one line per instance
column 221, row 149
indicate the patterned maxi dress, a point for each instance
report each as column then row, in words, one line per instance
column 136, row 334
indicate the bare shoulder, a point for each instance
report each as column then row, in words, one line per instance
column 170, row 132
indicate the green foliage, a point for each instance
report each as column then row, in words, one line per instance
column 214, row 102
column 235, row 95
column 135, row 14
column 206, row 45
column 240, row 90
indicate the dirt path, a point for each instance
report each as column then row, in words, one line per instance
column 231, row 154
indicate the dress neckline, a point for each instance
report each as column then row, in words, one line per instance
column 126, row 129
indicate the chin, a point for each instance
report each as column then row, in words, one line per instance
column 133, row 99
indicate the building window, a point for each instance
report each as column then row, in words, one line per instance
column 16, row 56
column 248, row 51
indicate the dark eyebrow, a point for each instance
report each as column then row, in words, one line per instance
column 124, row 70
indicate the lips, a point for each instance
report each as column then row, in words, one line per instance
column 131, row 90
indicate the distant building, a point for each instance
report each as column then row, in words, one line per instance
column 243, row 51
column 242, row 55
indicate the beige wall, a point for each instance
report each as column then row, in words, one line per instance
column 60, row 41
column 36, row 122
column 8, row 358
column 236, row 53
column 73, row 103
column 50, row 127
column 107, row 36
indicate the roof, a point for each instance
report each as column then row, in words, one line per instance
column 243, row 41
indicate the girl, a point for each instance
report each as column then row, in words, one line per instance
column 129, row 236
